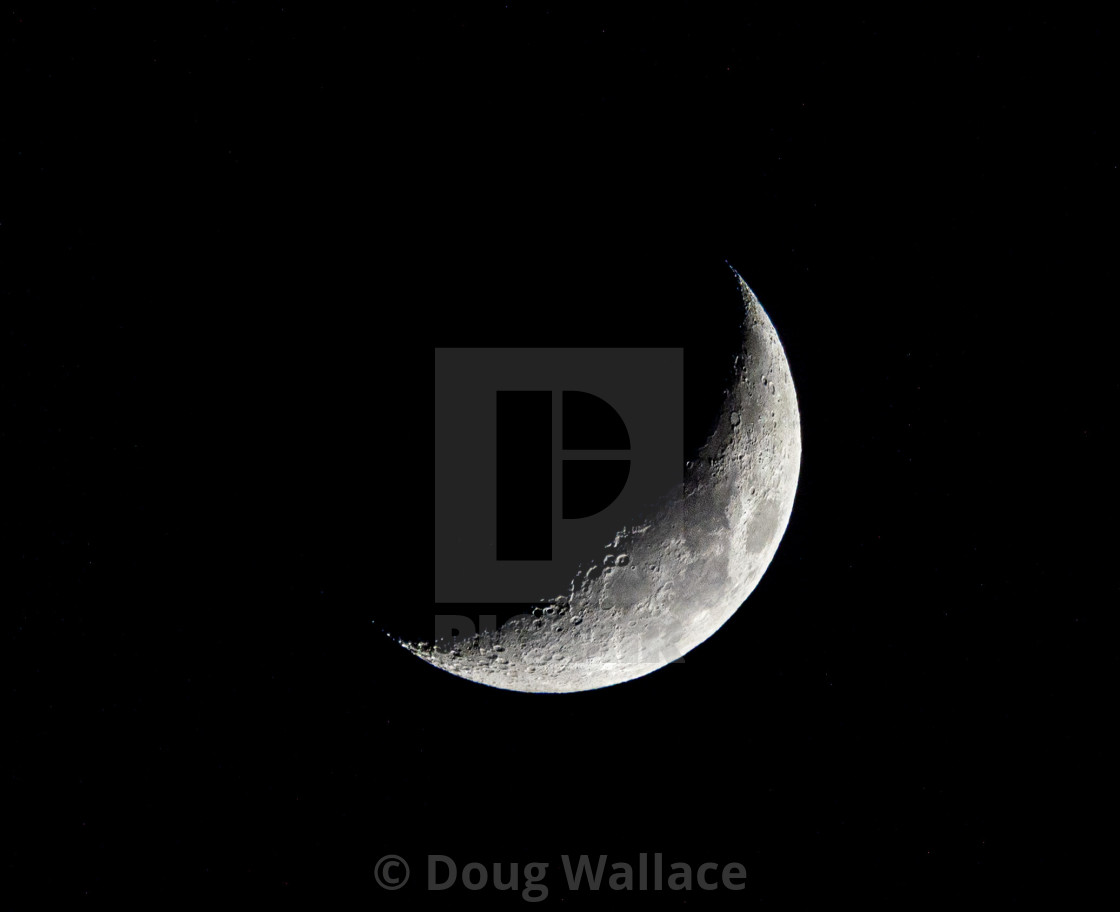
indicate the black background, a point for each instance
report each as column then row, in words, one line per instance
column 234, row 233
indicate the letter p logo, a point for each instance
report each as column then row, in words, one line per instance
column 541, row 456
column 594, row 467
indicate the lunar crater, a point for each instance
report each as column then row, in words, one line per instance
column 667, row 581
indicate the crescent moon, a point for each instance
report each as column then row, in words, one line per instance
column 666, row 584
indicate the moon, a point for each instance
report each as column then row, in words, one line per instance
column 670, row 580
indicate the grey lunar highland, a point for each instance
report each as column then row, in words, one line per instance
column 671, row 579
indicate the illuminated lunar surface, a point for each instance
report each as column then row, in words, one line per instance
column 672, row 579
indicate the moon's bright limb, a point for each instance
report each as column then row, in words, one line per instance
column 665, row 585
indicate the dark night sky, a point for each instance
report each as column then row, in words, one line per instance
column 233, row 234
